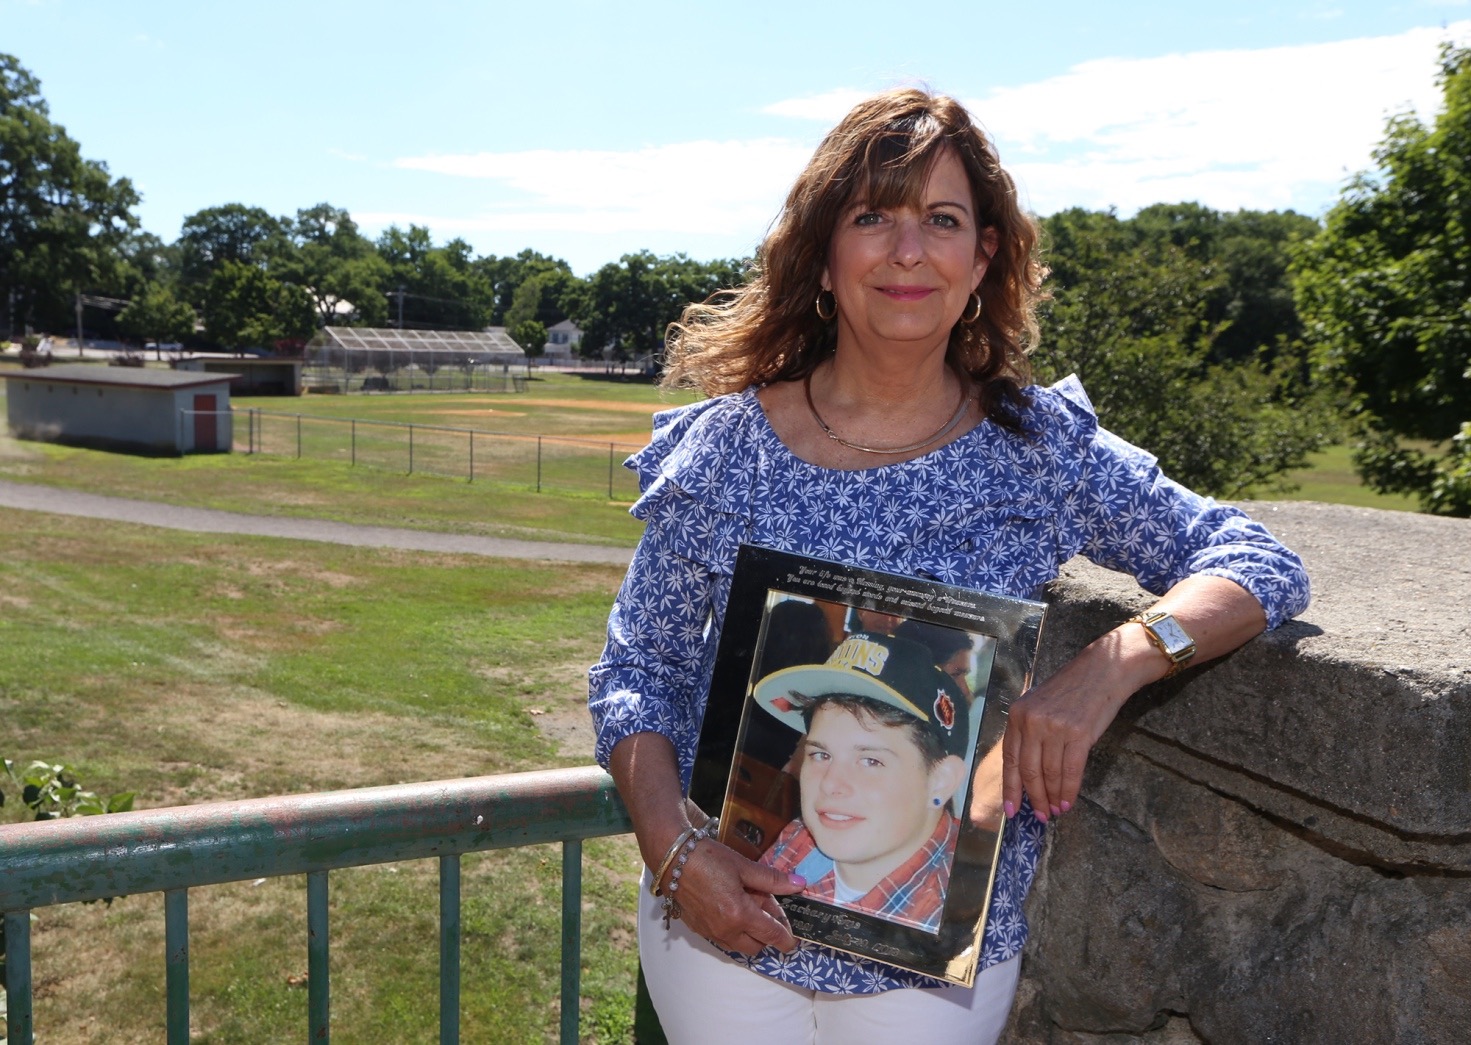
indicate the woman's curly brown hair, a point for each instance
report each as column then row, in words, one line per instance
column 881, row 153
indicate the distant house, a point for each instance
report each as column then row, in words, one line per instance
column 121, row 408
column 562, row 341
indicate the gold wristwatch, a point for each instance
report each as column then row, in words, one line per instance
column 1167, row 635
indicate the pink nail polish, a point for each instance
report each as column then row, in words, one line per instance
column 1010, row 809
column 1055, row 810
column 1041, row 816
column 1066, row 806
column 799, row 881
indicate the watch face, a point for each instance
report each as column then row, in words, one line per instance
column 1174, row 637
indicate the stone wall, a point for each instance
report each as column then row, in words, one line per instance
column 1275, row 847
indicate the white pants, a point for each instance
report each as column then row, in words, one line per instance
column 705, row 998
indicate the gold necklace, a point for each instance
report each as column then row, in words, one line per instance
column 945, row 430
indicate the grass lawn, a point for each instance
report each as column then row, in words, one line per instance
column 554, row 404
column 1330, row 478
column 191, row 668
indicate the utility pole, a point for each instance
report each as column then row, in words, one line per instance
column 80, row 353
column 399, row 294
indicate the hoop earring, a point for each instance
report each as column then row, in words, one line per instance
column 975, row 314
column 832, row 309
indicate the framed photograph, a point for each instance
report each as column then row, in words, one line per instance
column 853, row 736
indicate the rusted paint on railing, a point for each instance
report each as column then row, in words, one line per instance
column 88, row 858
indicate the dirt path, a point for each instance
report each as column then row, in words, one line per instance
column 34, row 498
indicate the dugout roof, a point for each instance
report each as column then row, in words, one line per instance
column 485, row 346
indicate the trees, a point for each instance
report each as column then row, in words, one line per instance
column 627, row 304
column 1249, row 303
column 509, row 275
column 540, row 297
column 336, row 266
column 531, row 335
column 62, row 217
column 231, row 232
column 243, row 307
column 1385, row 295
column 320, row 255
column 156, row 315
column 434, row 287
column 1138, row 308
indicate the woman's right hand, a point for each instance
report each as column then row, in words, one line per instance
column 731, row 901
column 724, row 897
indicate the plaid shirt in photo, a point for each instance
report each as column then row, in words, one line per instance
column 912, row 894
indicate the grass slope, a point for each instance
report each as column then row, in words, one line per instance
column 193, row 668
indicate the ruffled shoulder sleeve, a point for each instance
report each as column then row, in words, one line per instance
column 1063, row 415
column 705, row 450
column 697, row 473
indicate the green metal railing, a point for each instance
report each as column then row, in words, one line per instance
column 170, row 851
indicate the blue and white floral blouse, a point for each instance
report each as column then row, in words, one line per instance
column 991, row 510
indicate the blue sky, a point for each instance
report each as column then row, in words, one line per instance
column 588, row 129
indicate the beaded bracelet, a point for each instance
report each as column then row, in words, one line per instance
column 671, row 906
column 711, row 826
column 669, row 859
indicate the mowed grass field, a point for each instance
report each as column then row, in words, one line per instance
column 1331, row 479
column 192, row 668
column 555, row 405
column 327, row 487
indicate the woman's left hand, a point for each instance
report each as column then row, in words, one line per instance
column 1052, row 727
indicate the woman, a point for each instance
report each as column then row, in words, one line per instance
column 886, row 736
column 868, row 405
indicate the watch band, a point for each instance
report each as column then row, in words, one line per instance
column 1168, row 637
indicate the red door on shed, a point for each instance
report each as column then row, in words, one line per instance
column 206, row 432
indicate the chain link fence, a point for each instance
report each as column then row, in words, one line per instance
column 539, row 462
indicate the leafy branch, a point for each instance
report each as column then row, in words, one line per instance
column 50, row 791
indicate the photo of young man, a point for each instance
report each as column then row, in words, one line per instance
column 880, row 765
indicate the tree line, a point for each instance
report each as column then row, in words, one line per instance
column 1232, row 345
column 240, row 277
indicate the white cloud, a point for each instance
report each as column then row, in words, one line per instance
column 1263, row 129
column 715, row 187
column 829, row 107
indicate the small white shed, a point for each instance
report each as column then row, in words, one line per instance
column 121, row 408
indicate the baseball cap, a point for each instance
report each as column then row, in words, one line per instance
column 893, row 671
